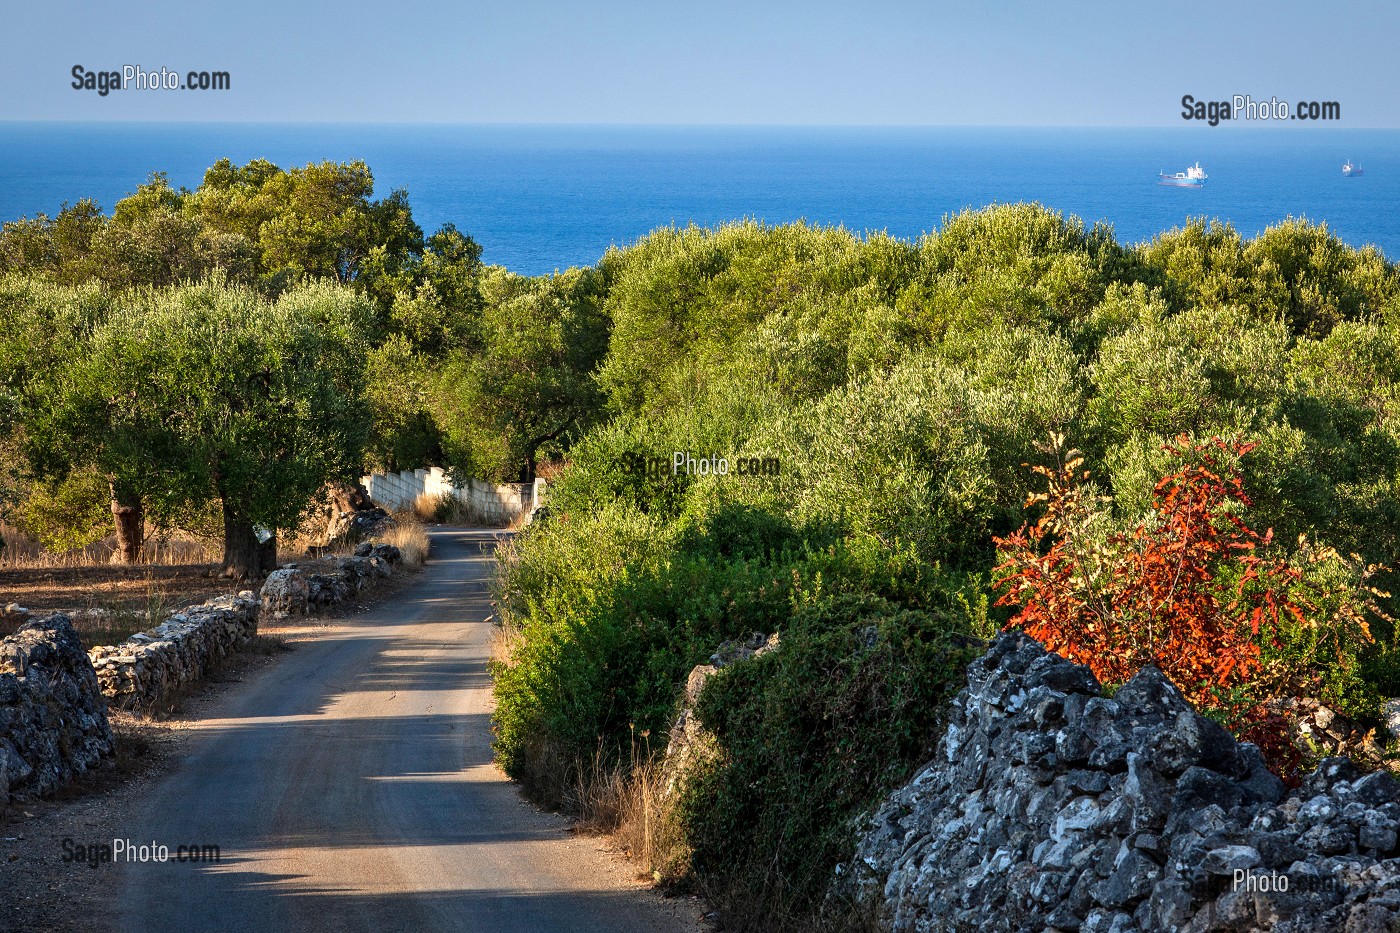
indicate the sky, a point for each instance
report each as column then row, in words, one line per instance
column 902, row 62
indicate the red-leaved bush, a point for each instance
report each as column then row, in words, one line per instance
column 1186, row 589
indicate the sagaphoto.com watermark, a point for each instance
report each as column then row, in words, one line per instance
column 139, row 852
column 1246, row 108
column 685, row 463
column 136, row 78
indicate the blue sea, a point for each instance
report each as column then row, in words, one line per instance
column 541, row 198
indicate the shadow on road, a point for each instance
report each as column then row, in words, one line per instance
column 351, row 786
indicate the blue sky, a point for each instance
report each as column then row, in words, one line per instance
column 809, row 62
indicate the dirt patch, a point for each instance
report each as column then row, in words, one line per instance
column 129, row 596
column 134, row 599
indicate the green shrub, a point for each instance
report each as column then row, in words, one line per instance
column 610, row 617
column 608, row 611
column 1295, row 272
column 903, row 387
column 1010, row 264
column 69, row 514
column 684, row 302
column 927, row 454
column 809, row 736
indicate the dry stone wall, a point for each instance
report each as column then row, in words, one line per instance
column 295, row 590
column 54, row 696
column 53, row 717
column 1052, row 807
column 149, row 668
column 689, row 741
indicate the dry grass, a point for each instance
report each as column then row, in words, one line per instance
column 297, row 546
column 426, row 507
column 115, row 622
column 310, row 538
column 634, row 803
column 504, row 641
column 411, row 538
column 445, row 509
column 22, row 552
column 110, row 602
column 181, row 549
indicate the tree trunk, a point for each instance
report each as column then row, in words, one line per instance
column 130, row 519
column 245, row 557
column 532, row 449
column 267, row 555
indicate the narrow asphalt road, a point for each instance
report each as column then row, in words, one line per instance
column 350, row 786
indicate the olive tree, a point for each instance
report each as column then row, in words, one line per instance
column 531, row 383
column 45, row 334
column 225, row 396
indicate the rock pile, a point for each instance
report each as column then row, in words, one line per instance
column 1320, row 727
column 292, row 590
column 1052, row 807
column 53, row 720
column 689, row 742
column 353, row 515
column 150, row 667
column 13, row 615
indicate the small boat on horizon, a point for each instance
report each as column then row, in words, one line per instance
column 1193, row 177
column 1352, row 170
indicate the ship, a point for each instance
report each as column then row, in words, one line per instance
column 1193, row 177
column 1352, row 170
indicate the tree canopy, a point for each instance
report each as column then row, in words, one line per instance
column 207, row 393
column 530, row 381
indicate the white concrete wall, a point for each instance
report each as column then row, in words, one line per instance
column 491, row 503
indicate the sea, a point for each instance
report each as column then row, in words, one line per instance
column 545, row 198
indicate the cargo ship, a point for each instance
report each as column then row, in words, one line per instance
column 1193, row 177
column 1351, row 169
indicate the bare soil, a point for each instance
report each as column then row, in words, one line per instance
column 120, row 590
column 133, row 598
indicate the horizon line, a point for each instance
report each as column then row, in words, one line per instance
column 1259, row 126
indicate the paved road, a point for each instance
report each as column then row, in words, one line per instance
column 350, row 787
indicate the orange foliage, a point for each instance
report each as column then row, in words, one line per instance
column 1184, row 590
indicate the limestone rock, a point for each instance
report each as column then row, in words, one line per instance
column 53, row 719
column 388, row 553
column 353, row 515
column 13, row 615
column 688, row 739
column 286, row 591
column 150, row 667
column 1048, row 806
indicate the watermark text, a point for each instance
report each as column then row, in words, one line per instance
column 134, row 77
column 128, row 851
column 685, row 463
column 1246, row 108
